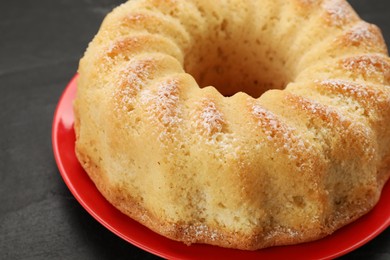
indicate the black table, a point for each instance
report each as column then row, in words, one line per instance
column 40, row 45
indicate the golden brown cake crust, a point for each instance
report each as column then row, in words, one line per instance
column 293, row 145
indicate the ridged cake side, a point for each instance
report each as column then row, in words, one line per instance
column 202, row 165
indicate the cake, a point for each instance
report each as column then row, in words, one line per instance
column 240, row 124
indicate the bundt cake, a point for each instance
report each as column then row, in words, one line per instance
column 242, row 124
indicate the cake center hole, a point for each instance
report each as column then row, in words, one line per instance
column 241, row 63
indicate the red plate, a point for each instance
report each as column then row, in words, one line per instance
column 341, row 242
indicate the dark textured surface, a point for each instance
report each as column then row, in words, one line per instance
column 40, row 45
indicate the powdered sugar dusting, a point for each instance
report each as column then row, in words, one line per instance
column 361, row 32
column 160, row 107
column 337, row 12
column 211, row 119
column 325, row 113
column 269, row 122
column 164, row 105
column 208, row 120
column 369, row 66
column 347, row 87
column 284, row 138
column 146, row 95
column 336, row 120
column 200, row 232
column 130, row 80
column 358, row 98
column 281, row 231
